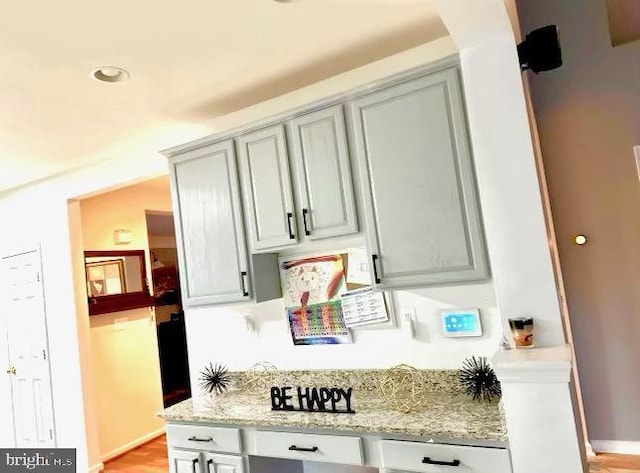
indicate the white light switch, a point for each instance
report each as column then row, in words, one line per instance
column 120, row 323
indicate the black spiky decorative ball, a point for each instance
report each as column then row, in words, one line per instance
column 215, row 378
column 479, row 379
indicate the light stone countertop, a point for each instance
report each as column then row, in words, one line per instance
column 452, row 416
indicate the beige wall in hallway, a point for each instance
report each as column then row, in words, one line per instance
column 125, row 363
column 588, row 114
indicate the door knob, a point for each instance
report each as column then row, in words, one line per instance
column 11, row 370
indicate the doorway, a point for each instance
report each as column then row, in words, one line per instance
column 138, row 359
column 172, row 338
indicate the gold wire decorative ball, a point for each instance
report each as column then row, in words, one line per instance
column 259, row 378
column 403, row 388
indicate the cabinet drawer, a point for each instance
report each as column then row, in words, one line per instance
column 438, row 458
column 202, row 437
column 322, row 448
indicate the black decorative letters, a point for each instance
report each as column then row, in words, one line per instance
column 313, row 400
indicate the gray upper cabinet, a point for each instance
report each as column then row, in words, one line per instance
column 267, row 188
column 209, row 231
column 422, row 215
column 323, row 174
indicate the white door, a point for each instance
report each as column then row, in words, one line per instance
column 267, row 188
column 222, row 464
column 321, row 157
column 184, row 461
column 28, row 356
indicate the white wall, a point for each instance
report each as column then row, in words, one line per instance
column 39, row 213
column 588, row 114
column 124, row 358
column 52, row 220
column 219, row 335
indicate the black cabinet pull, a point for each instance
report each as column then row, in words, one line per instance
column 194, row 464
column 209, row 463
column 289, row 217
column 374, row 260
column 243, row 275
column 429, row 461
column 197, row 439
column 304, row 221
column 303, row 449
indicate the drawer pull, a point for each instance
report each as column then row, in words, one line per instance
column 209, row 463
column 289, row 217
column 196, row 439
column 374, row 261
column 303, row 449
column 429, row 461
column 243, row 275
column 304, row 220
column 194, row 465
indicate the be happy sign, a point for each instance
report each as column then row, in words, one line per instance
column 311, row 399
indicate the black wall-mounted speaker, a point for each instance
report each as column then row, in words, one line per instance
column 540, row 51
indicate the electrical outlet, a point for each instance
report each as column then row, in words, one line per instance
column 120, row 323
column 408, row 314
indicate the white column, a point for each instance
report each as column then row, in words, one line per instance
column 538, row 409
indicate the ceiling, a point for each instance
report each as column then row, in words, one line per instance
column 189, row 62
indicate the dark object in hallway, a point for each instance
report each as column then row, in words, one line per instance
column 174, row 364
column 479, row 379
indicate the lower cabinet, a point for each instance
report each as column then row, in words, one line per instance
column 190, row 461
column 197, row 448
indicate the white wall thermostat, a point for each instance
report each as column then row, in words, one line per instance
column 461, row 322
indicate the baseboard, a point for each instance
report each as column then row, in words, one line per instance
column 97, row 468
column 588, row 450
column 616, row 446
column 131, row 445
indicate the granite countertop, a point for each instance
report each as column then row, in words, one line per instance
column 447, row 414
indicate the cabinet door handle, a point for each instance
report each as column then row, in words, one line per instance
column 194, row 464
column 289, row 226
column 303, row 449
column 304, row 221
column 209, row 463
column 374, row 261
column 429, row 461
column 243, row 275
column 197, row 439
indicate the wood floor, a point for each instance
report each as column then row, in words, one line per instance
column 611, row 463
column 152, row 458
column 148, row 458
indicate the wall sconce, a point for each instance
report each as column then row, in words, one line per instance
column 122, row 237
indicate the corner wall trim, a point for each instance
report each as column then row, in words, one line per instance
column 97, row 468
column 131, row 445
column 616, row 446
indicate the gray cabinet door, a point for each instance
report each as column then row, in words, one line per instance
column 209, row 231
column 267, row 188
column 184, row 461
column 323, row 172
column 423, row 219
column 216, row 463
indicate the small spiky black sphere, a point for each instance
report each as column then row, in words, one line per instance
column 215, row 378
column 479, row 379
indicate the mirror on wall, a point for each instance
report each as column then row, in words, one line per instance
column 116, row 280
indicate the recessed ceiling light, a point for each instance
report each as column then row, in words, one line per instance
column 110, row 74
column 285, row 1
